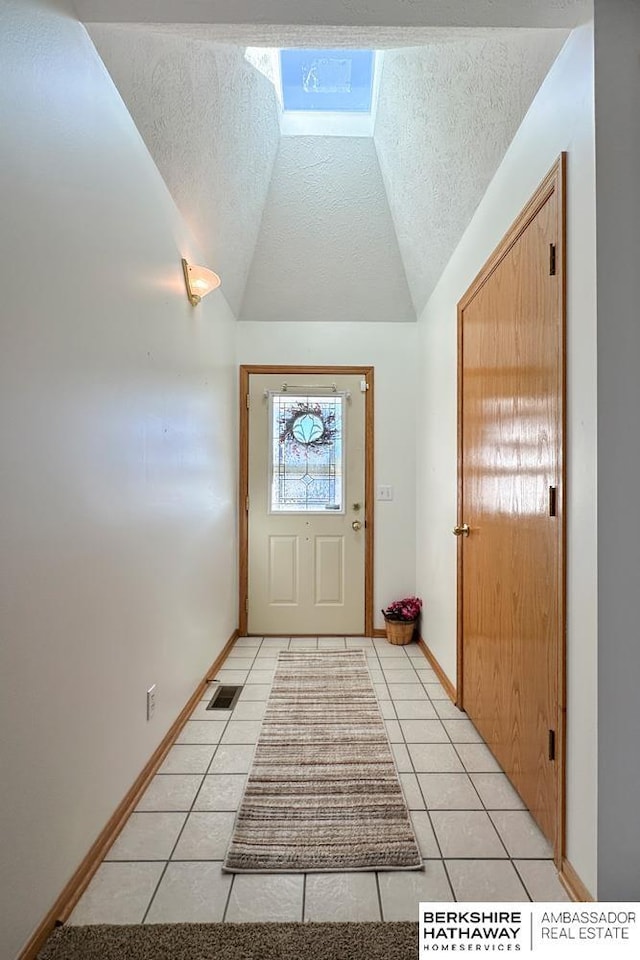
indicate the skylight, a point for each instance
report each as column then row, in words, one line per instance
column 335, row 80
column 328, row 92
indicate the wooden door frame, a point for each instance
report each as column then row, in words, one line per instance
column 554, row 182
column 248, row 370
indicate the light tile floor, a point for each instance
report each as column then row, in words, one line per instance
column 477, row 840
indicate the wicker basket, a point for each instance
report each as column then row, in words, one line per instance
column 400, row 632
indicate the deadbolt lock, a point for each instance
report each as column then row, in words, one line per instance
column 356, row 506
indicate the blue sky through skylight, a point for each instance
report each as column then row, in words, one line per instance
column 329, row 80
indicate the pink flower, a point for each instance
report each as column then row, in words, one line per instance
column 406, row 610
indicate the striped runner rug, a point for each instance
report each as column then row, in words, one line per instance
column 323, row 793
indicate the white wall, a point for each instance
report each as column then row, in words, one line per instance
column 391, row 349
column 617, row 34
column 117, row 486
column 560, row 118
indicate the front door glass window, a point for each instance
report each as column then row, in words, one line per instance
column 307, row 434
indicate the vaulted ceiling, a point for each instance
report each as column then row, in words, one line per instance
column 315, row 228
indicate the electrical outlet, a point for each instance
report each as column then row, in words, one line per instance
column 151, row 701
column 384, row 492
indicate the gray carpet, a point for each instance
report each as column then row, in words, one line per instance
column 323, row 793
column 235, row 941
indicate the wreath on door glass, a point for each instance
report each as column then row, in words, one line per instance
column 306, row 425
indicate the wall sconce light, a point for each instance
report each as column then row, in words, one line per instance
column 199, row 281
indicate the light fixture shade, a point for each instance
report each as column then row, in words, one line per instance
column 199, row 281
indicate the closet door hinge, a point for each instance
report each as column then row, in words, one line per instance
column 552, row 744
column 553, row 501
column 552, row 259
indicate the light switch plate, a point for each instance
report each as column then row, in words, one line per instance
column 384, row 492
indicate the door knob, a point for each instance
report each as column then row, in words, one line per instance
column 356, row 524
column 462, row 531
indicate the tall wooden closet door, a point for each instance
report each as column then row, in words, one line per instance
column 511, row 386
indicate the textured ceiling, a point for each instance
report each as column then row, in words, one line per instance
column 447, row 114
column 409, row 13
column 317, row 36
column 327, row 249
column 327, row 228
column 210, row 121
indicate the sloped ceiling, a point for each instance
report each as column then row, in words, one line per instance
column 446, row 115
column 210, row 122
column 327, row 249
column 327, row 228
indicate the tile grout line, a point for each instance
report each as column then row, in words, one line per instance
column 228, row 900
column 233, row 880
column 217, row 746
column 153, row 895
column 449, row 881
column 374, row 661
column 498, row 834
column 180, row 832
column 428, row 808
column 379, row 896
column 521, row 879
column 189, row 812
column 484, row 807
column 435, row 836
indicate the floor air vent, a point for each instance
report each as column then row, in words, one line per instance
column 224, row 698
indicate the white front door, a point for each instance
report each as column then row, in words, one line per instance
column 306, row 524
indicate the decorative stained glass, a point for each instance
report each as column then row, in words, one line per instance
column 307, row 453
